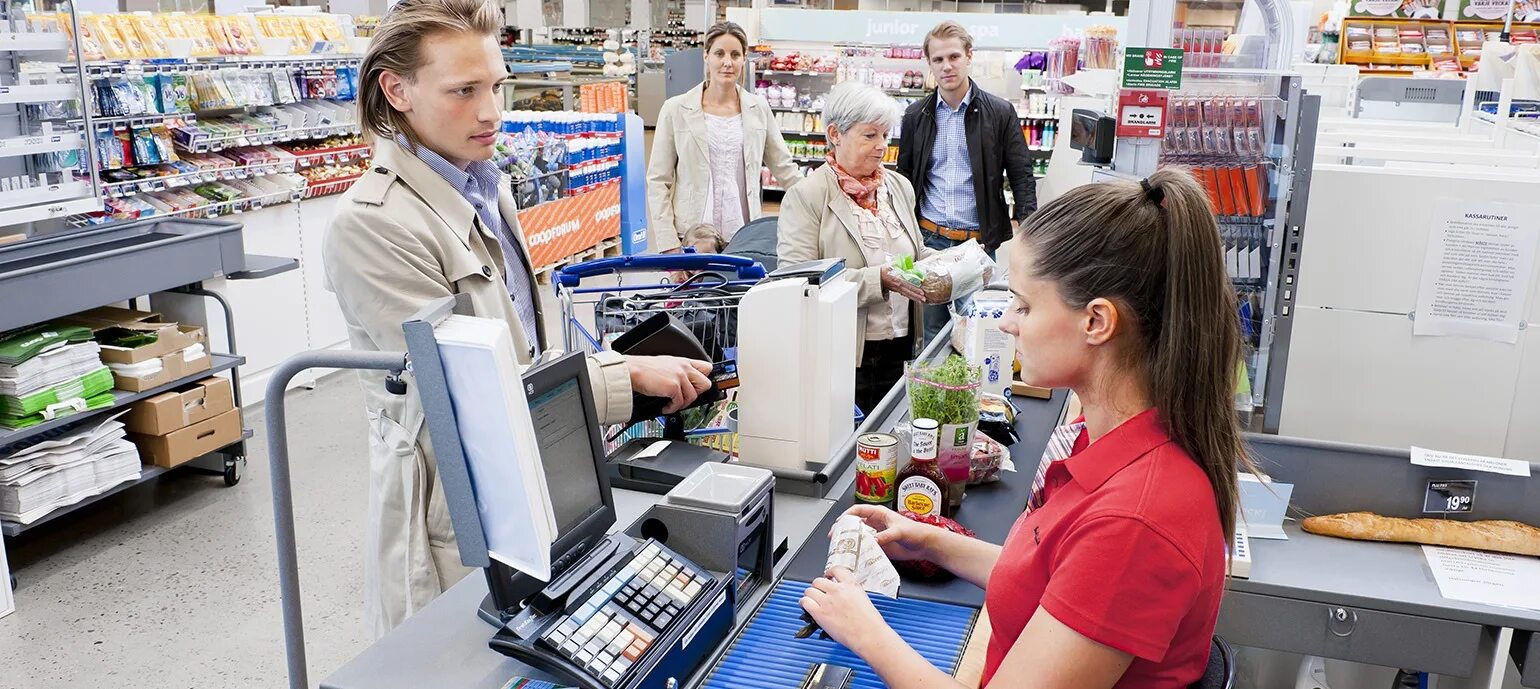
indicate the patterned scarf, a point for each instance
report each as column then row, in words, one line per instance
column 862, row 191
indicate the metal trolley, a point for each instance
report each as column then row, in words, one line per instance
column 706, row 303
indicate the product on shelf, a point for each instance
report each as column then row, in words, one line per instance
column 302, row 120
column 553, row 155
column 1063, row 60
column 1101, row 47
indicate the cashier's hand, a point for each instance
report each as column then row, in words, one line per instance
column 841, row 608
column 901, row 538
column 680, row 380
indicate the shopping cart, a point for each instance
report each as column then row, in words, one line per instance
column 706, row 304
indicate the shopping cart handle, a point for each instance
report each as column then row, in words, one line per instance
column 746, row 268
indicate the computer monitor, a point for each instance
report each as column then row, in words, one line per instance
column 570, row 438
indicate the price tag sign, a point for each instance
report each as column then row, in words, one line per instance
column 1449, row 497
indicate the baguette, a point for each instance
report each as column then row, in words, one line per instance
column 1497, row 536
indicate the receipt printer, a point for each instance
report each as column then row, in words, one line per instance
column 721, row 518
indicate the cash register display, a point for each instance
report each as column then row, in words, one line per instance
column 566, row 454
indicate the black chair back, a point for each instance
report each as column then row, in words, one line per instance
column 1220, row 673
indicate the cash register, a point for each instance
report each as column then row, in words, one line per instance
column 605, row 610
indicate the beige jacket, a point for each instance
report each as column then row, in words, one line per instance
column 679, row 173
column 401, row 238
column 816, row 223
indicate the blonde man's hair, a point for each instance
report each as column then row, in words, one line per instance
column 949, row 29
column 397, row 47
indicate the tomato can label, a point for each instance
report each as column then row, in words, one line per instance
column 876, row 467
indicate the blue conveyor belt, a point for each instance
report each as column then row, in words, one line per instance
column 766, row 656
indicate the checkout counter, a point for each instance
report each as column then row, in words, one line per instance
column 1373, row 603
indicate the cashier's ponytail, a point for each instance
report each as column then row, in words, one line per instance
column 1153, row 247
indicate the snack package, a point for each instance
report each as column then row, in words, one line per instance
column 853, row 546
column 215, row 29
column 125, row 27
column 241, row 33
column 987, row 460
column 151, row 31
column 106, row 33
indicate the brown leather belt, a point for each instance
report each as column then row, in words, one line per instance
column 951, row 233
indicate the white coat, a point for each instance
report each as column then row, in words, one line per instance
column 402, row 238
column 679, row 173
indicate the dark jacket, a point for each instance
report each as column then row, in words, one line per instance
column 995, row 147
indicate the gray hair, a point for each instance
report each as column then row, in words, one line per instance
column 852, row 103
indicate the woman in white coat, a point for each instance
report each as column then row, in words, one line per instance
column 709, row 146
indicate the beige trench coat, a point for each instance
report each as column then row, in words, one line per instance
column 816, row 223
column 679, row 172
column 401, row 238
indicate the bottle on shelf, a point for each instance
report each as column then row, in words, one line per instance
column 922, row 486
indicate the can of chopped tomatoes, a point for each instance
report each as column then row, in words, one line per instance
column 876, row 468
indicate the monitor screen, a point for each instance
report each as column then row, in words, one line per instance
column 561, row 429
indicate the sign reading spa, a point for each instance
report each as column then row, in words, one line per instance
column 990, row 32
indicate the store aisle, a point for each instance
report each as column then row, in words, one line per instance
column 174, row 584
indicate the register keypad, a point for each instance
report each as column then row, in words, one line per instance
column 621, row 618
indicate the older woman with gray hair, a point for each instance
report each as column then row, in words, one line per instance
column 852, row 208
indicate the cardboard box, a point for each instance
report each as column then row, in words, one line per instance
column 172, row 367
column 180, row 408
column 170, row 337
column 186, row 444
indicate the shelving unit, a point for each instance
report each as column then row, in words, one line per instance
column 49, row 103
column 150, row 257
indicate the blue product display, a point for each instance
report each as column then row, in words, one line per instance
column 766, row 656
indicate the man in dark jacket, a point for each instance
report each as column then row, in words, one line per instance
column 957, row 147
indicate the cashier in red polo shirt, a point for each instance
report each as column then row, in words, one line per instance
column 1113, row 576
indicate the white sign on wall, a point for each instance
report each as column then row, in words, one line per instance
column 990, row 31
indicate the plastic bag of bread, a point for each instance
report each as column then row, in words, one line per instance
column 950, row 274
column 925, row 569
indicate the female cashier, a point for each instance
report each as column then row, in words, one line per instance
column 432, row 218
column 1113, row 577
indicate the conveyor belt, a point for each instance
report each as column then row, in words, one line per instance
column 766, row 656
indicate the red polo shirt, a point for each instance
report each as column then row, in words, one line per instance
column 1127, row 550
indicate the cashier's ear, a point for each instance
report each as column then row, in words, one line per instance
column 394, row 87
column 1101, row 321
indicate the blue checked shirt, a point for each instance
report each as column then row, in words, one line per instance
column 478, row 184
column 949, row 198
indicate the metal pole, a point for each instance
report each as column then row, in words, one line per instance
column 1508, row 23
column 283, row 497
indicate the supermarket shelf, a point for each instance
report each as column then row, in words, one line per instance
column 138, row 186
column 1025, row 116
column 24, row 42
column 782, row 108
column 221, row 143
column 117, row 67
column 331, row 155
column 18, row 216
column 330, row 186
column 211, row 210
column 146, row 472
column 42, row 143
column 131, row 120
column 10, row 439
column 1034, row 88
column 795, row 132
column 908, row 92
column 794, row 73
column 41, row 195
column 38, row 93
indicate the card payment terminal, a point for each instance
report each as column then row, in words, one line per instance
column 620, row 612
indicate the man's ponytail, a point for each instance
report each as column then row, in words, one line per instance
column 1153, row 247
